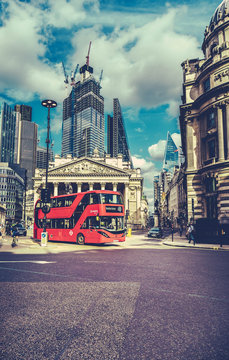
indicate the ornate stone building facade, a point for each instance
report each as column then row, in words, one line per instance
column 67, row 175
column 204, row 122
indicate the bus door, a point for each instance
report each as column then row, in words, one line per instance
column 89, row 227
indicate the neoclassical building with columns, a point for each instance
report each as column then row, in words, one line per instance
column 71, row 175
column 204, row 122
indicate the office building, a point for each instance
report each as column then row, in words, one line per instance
column 7, row 133
column 42, row 157
column 171, row 154
column 25, row 142
column 11, row 192
column 204, row 119
column 117, row 142
column 83, row 117
column 25, row 111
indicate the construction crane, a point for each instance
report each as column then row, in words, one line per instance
column 100, row 78
column 87, row 57
column 74, row 74
column 65, row 75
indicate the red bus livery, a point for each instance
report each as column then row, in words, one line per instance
column 89, row 217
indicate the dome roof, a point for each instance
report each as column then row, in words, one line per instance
column 220, row 12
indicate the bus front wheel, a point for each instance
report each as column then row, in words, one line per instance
column 80, row 239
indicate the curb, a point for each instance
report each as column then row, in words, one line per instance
column 208, row 247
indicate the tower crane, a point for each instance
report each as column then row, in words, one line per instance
column 74, row 74
column 87, row 57
column 65, row 75
column 100, row 78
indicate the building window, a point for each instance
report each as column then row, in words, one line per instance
column 211, row 148
column 210, row 184
column 211, row 123
column 206, row 84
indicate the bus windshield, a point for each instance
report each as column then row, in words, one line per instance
column 112, row 223
column 111, row 199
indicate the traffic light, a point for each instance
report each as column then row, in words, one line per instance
column 46, row 209
column 45, row 196
column 192, row 205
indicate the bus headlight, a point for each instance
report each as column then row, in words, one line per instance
column 104, row 234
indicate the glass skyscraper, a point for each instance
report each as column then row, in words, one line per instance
column 25, row 141
column 7, row 133
column 117, row 142
column 83, row 117
column 171, row 154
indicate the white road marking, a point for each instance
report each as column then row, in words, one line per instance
column 29, row 261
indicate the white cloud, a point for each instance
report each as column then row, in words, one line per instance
column 177, row 139
column 148, row 169
column 157, row 150
column 141, row 62
column 24, row 71
column 149, row 74
column 173, row 109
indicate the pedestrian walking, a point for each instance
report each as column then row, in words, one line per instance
column 15, row 238
column 181, row 229
column 191, row 234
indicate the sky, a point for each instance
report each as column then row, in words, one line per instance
column 139, row 45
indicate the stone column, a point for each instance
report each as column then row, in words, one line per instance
column 90, row 186
column 189, row 142
column 227, row 128
column 115, row 186
column 36, row 194
column 126, row 197
column 138, row 197
column 79, row 187
column 221, row 156
column 55, row 189
column 103, row 186
column 195, row 143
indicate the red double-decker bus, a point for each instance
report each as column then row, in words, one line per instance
column 88, row 217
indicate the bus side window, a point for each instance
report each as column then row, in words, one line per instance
column 48, row 223
column 84, row 202
column 66, row 223
column 84, row 225
column 54, row 201
column 94, row 199
column 60, row 223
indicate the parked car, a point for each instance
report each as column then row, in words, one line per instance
column 20, row 230
column 155, row 232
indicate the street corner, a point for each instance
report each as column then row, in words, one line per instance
column 19, row 244
column 183, row 242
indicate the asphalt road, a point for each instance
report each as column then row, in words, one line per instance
column 115, row 302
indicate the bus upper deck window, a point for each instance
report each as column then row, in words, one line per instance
column 94, row 199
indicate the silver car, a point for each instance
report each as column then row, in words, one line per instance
column 20, row 230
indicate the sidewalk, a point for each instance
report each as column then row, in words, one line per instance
column 182, row 241
column 137, row 240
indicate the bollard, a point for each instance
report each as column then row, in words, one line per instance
column 129, row 232
column 44, row 238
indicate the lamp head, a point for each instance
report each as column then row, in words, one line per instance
column 49, row 103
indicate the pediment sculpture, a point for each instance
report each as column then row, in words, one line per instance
column 85, row 168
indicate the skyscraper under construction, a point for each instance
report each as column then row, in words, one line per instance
column 117, row 142
column 83, row 116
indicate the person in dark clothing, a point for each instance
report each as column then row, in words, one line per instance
column 181, row 229
column 15, row 238
column 191, row 234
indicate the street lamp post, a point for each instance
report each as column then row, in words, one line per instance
column 48, row 104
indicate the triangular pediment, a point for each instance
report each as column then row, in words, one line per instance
column 86, row 167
